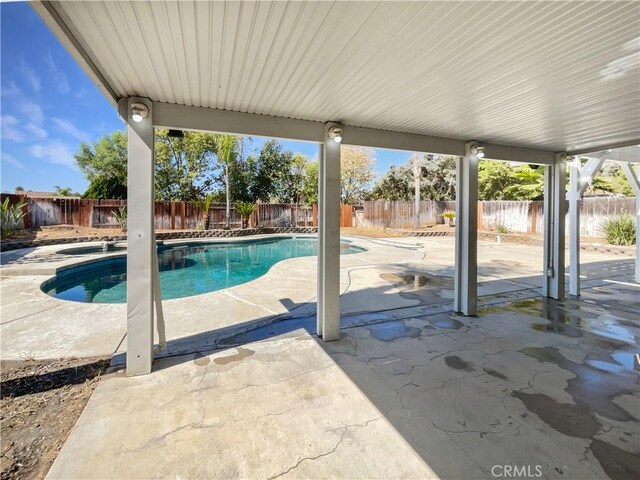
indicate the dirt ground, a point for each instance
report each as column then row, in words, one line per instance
column 40, row 403
column 63, row 231
column 368, row 232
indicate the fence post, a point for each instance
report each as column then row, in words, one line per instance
column 26, row 220
column 534, row 217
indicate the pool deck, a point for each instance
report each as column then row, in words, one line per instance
column 409, row 391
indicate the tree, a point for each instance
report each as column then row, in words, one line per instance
column 104, row 164
column 19, row 189
column 185, row 167
column 611, row 179
column 437, row 180
column 272, row 165
column 310, row 193
column 63, row 191
column 106, row 187
column 227, row 151
column 438, row 177
column 356, row 173
column 292, row 182
column 243, row 172
column 493, row 179
column 394, row 185
column 528, row 184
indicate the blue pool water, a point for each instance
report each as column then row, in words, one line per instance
column 185, row 270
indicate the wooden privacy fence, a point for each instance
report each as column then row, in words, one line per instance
column 47, row 211
column 515, row 216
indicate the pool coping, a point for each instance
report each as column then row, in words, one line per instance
column 88, row 259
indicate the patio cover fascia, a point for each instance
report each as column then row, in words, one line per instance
column 142, row 261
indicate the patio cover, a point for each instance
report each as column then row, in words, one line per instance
column 529, row 81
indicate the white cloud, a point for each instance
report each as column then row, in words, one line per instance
column 14, row 131
column 58, row 77
column 65, row 126
column 10, row 129
column 55, row 152
column 11, row 90
column 11, row 160
column 31, row 77
column 35, row 131
column 32, row 112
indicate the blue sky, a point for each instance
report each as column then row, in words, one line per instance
column 49, row 106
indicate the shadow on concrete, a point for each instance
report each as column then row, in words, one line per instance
column 594, row 326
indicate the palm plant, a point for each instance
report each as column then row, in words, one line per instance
column 451, row 216
column 121, row 217
column 204, row 204
column 63, row 191
column 245, row 209
column 227, row 151
column 10, row 216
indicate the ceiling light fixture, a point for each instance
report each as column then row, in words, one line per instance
column 336, row 134
column 139, row 111
column 477, row 150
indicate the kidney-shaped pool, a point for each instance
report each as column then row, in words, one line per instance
column 185, row 269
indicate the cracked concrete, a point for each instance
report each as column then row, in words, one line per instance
column 445, row 403
column 409, row 391
column 287, row 411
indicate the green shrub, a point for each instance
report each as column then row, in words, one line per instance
column 204, row 205
column 10, row 216
column 451, row 216
column 502, row 229
column 245, row 209
column 620, row 230
column 121, row 217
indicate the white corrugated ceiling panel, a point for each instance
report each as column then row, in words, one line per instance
column 551, row 75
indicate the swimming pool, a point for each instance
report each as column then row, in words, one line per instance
column 185, row 269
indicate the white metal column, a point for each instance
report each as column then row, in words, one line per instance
column 329, row 238
column 579, row 178
column 465, row 286
column 554, row 231
column 321, row 252
column 633, row 175
column 574, row 227
column 140, row 240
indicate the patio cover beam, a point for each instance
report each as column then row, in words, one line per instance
column 623, row 152
column 183, row 117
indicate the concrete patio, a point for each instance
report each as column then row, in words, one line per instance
column 538, row 384
column 409, row 391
